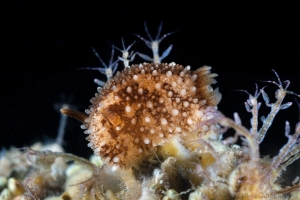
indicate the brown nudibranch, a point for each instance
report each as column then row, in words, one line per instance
column 143, row 106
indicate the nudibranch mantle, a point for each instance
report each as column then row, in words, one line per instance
column 144, row 106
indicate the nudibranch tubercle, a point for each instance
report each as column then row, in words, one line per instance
column 145, row 105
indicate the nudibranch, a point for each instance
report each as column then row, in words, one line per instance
column 143, row 106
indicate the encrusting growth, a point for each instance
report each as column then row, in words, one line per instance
column 257, row 177
column 144, row 106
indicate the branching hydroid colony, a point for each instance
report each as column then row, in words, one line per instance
column 157, row 134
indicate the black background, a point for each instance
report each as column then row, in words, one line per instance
column 44, row 44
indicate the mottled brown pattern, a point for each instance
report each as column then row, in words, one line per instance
column 145, row 105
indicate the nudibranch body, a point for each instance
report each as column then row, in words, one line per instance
column 145, row 105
